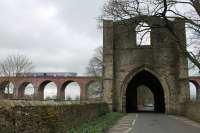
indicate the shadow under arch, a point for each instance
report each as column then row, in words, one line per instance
column 160, row 79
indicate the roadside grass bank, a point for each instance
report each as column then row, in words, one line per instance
column 100, row 125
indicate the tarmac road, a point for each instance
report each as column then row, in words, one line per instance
column 154, row 123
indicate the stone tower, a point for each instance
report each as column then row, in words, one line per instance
column 160, row 66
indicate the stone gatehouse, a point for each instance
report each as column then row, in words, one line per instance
column 160, row 66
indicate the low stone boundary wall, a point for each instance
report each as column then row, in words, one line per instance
column 36, row 117
column 192, row 110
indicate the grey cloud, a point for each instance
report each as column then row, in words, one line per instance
column 58, row 35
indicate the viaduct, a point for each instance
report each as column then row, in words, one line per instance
column 39, row 84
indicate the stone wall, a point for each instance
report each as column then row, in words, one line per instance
column 192, row 110
column 26, row 117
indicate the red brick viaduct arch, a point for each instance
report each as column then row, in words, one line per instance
column 196, row 81
column 40, row 82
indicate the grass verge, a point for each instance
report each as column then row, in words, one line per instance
column 100, row 125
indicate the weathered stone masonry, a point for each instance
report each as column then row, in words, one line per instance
column 123, row 59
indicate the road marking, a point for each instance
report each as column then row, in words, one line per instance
column 136, row 116
column 127, row 130
column 133, row 123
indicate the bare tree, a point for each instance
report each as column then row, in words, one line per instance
column 95, row 69
column 95, row 65
column 12, row 66
column 94, row 91
column 166, row 9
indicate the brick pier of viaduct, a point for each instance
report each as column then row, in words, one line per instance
column 39, row 84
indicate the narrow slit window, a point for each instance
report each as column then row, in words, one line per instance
column 143, row 34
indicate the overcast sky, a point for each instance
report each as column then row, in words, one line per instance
column 58, row 35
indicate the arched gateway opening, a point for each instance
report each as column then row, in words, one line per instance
column 145, row 78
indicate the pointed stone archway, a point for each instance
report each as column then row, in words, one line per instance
column 149, row 78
